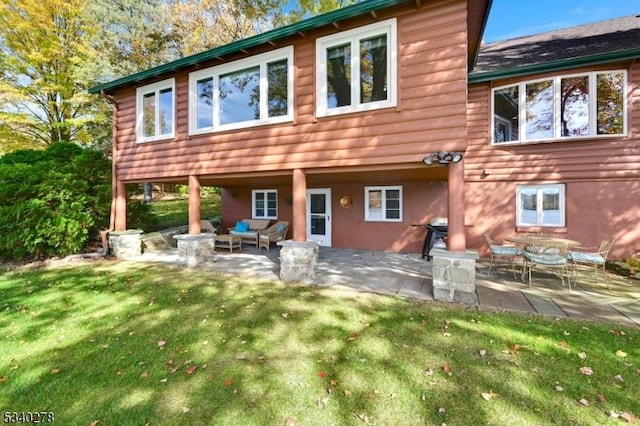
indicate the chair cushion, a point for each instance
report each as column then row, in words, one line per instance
column 281, row 227
column 545, row 259
column 579, row 256
column 242, row 226
column 505, row 250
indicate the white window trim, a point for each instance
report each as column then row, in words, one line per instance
column 384, row 190
column 155, row 88
column 253, row 203
column 539, row 187
column 260, row 60
column 388, row 27
column 593, row 101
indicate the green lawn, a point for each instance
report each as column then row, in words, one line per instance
column 134, row 344
column 171, row 213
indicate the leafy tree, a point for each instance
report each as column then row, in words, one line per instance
column 44, row 53
column 52, row 201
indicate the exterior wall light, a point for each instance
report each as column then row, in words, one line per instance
column 442, row 157
column 346, row 201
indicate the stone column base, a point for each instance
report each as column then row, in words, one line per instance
column 194, row 250
column 298, row 260
column 125, row 244
column 454, row 276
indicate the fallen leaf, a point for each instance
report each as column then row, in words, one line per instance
column 163, row 380
column 566, row 333
column 94, row 423
column 3, row 379
column 364, row 417
column 582, row 355
column 185, row 410
column 161, row 343
column 629, row 418
column 601, row 398
column 429, row 372
column 482, row 352
column 333, row 382
column 488, row 395
column 584, row 402
column 285, row 315
column 322, row 374
column 55, row 371
column 559, row 388
column 446, row 368
column 587, row 371
column 563, row 343
column 144, row 375
column 353, row 337
column 291, row 421
column 323, row 401
column 347, row 392
column 228, row 382
column 442, row 410
column 191, row 369
column 619, row 378
column 621, row 354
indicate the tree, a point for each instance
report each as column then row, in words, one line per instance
column 44, row 53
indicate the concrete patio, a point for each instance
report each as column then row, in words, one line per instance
column 408, row 275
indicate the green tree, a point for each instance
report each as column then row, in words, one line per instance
column 44, row 53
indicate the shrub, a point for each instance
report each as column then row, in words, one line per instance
column 51, row 201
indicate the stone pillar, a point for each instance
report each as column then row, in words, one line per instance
column 454, row 276
column 193, row 250
column 298, row 260
column 125, row 244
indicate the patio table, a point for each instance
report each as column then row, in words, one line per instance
column 525, row 239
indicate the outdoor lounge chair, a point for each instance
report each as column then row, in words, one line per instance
column 595, row 256
column 248, row 229
column 274, row 233
column 502, row 252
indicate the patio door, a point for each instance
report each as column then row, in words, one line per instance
column 319, row 216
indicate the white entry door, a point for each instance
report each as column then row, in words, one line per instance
column 319, row 216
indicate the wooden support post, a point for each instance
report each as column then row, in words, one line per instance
column 455, row 205
column 299, row 205
column 121, row 207
column 194, row 205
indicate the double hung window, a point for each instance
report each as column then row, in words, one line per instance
column 540, row 205
column 564, row 107
column 249, row 92
column 383, row 203
column 356, row 69
column 155, row 106
column 264, row 204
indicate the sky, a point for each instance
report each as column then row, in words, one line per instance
column 517, row 18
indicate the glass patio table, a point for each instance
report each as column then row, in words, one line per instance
column 541, row 239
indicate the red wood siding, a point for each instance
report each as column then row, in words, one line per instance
column 431, row 115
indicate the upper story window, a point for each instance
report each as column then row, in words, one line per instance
column 540, row 205
column 564, row 107
column 356, row 69
column 249, row 92
column 383, row 203
column 155, row 106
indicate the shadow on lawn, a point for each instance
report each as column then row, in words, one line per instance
column 265, row 352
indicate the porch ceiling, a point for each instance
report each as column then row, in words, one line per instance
column 330, row 176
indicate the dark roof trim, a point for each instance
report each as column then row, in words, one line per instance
column 623, row 55
column 352, row 11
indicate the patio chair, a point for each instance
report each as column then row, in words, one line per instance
column 274, row 233
column 502, row 252
column 547, row 255
column 593, row 256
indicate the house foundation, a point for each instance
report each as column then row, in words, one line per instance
column 125, row 244
column 454, row 276
column 298, row 260
column 193, row 250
